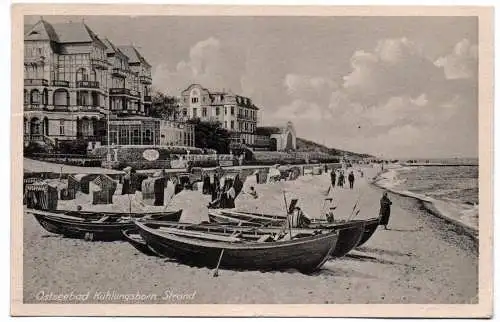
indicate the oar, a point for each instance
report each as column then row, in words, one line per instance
column 216, row 272
column 287, row 214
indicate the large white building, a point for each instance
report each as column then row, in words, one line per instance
column 236, row 113
column 73, row 78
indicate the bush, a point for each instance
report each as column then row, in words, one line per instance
column 72, row 147
column 33, row 148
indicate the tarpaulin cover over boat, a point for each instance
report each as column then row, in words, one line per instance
column 41, row 195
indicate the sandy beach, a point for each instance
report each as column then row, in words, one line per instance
column 421, row 259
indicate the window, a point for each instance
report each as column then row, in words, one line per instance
column 123, row 136
column 225, row 124
column 136, row 137
column 232, row 125
column 81, row 75
column 225, row 111
column 194, row 99
column 95, row 99
column 26, row 97
column 217, row 112
column 246, row 126
column 82, row 98
column 39, row 51
column 61, row 127
column 185, row 112
column 204, row 112
column 195, row 112
column 35, row 97
column 232, row 110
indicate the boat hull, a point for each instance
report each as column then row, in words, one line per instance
column 370, row 228
column 349, row 236
column 305, row 254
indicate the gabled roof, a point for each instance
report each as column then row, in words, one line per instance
column 112, row 49
column 133, row 55
column 42, row 30
column 76, row 32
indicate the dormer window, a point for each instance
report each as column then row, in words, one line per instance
column 34, row 33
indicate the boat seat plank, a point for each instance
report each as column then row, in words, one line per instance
column 200, row 235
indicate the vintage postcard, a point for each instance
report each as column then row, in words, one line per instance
column 252, row 161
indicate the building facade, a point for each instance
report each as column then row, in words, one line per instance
column 271, row 138
column 73, row 79
column 173, row 133
column 235, row 113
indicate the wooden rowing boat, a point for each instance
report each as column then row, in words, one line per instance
column 351, row 234
column 104, row 228
column 305, row 251
column 96, row 215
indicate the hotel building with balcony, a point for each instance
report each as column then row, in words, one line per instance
column 73, row 79
column 239, row 116
column 235, row 113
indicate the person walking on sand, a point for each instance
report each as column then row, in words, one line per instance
column 333, row 177
column 385, row 210
column 351, row 180
column 341, row 179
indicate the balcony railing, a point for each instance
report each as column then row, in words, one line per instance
column 61, row 108
column 119, row 91
column 33, row 106
column 247, row 117
column 60, row 83
column 99, row 63
column 87, row 84
column 117, row 71
column 145, row 79
column 36, row 82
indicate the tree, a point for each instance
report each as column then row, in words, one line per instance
column 164, row 106
column 210, row 135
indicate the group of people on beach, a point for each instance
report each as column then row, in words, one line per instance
column 341, row 178
column 337, row 178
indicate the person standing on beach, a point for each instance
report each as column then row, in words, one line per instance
column 333, row 177
column 351, row 180
column 385, row 210
column 341, row 179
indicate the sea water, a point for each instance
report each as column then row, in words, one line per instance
column 452, row 190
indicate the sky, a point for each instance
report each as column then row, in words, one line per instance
column 394, row 87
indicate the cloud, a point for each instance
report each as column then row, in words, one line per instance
column 300, row 110
column 299, row 84
column 210, row 63
column 394, row 101
column 462, row 62
column 396, row 67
